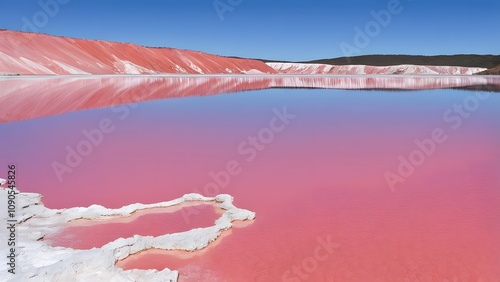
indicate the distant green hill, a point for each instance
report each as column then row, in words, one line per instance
column 483, row 61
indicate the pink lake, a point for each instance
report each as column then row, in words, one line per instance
column 319, row 179
column 88, row 234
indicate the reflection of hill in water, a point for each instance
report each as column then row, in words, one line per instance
column 26, row 98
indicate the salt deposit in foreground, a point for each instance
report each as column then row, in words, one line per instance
column 41, row 262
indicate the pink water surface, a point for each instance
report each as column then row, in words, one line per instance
column 322, row 177
column 88, row 234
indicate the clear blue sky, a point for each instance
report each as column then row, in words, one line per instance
column 273, row 29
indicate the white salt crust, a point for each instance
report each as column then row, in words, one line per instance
column 38, row 261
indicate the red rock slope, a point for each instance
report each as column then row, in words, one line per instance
column 32, row 53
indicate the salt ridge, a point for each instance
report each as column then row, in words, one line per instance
column 298, row 68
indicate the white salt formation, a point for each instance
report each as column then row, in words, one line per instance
column 38, row 261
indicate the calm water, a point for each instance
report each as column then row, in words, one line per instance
column 88, row 234
column 315, row 174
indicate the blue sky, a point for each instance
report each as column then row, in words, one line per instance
column 273, row 29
